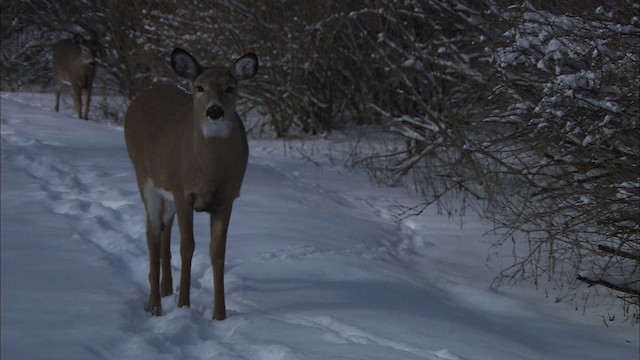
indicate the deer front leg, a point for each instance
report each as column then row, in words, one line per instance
column 76, row 94
column 153, row 243
column 87, row 100
column 217, row 251
column 58, row 91
column 184, row 210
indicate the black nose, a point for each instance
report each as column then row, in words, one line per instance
column 215, row 112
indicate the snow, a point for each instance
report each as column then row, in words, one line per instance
column 414, row 64
column 588, row 140
column 523, row 43
column 317, row 268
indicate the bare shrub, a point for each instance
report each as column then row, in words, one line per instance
column 572, row 125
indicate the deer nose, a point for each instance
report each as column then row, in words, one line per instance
column 215, row 112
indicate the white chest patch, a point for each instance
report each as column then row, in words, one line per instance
column 216, row 128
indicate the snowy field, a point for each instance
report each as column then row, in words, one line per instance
column 316, row 268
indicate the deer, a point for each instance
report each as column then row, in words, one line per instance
column 74, row 64
column 189, row 152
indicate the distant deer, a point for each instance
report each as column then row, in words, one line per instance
column 190, row 153
column 74, row 65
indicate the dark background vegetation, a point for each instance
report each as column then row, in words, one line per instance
column 527, row 109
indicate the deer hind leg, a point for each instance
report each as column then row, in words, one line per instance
column 153, row 204
column 76, row 94
column 184, row 210
column 217, row 251
column 87, row 100
column 168, row 212
column 153, row 305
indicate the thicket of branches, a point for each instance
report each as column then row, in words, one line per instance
column 529, row 109
column 570, row 139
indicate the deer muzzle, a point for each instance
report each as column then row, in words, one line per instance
column 215, row 112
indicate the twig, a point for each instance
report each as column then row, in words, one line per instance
column 618, row 252
column 605, row 283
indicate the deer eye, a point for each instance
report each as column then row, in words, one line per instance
column 229, row 89
column 199, row 88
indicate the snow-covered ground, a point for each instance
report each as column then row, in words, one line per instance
column 316, row 268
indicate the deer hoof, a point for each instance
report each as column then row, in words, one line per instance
column 154, row 310
column 219, row 315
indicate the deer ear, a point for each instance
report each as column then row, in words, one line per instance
column 184, row 64
column 245, row 67
column 78, row 39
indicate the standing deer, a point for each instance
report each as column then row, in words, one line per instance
column 190, row 153
column 74, row 65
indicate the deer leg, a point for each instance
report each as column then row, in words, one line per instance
column 153, row 306
column 58, row 91
column 77, row 101
column 87, row 100
column 187, row 245
column 166, row 284
column 217, row 251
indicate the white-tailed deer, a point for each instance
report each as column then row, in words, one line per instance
column 74, row 64
column 190, row 153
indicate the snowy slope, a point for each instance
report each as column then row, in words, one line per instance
column 315, row 267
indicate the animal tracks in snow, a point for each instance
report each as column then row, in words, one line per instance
column 82, row 192
column 339, row 332
column 112, row 218
column 301, row 253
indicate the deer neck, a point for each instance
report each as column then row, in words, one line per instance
column 216, row 163
column 221, row 143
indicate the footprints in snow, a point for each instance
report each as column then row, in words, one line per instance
column 108, row 219
column 79, row 192
column 341, row 333
column 300, row 253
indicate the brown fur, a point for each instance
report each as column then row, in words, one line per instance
column 74, row 64
column 167, row 146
